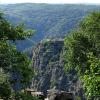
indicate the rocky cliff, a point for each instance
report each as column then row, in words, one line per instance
column 49, row 71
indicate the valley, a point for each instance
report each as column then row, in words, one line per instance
column 61, row 51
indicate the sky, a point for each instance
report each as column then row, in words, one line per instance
column 49, row 1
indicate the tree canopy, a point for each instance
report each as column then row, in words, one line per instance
column 83, row 53
column 15, row 67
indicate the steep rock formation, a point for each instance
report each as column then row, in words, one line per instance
column 48, row 66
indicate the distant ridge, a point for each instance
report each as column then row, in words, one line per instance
column 52, row 3
column 49, row 20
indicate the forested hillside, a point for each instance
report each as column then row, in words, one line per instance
column 49, row 21
column 68, row 63
column 83, row 54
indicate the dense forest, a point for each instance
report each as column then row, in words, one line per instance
column 49, row 21
column 83, row 54
column 15, row 70
column 68, row 57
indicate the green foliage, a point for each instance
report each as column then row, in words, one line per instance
column 3, row 76
column 15, row 66
column 53, row 83
column 91, row 79
column 77, row 98
column 25, row 96
column 82, row 53
column 12, row 33
column 50, row 21
column 5, row 91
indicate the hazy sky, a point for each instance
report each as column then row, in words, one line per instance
column 50, row 1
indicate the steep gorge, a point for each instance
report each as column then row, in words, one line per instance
column 48, row 65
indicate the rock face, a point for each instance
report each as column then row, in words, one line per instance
column 48, row 66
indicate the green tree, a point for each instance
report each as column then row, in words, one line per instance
column 83, row 53
column 25, row 96
column 5, row 91
column 15, row 65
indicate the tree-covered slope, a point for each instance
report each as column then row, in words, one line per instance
column 50, row 21
column 83, row 54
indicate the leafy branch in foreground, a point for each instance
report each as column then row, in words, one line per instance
column 14, row 65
